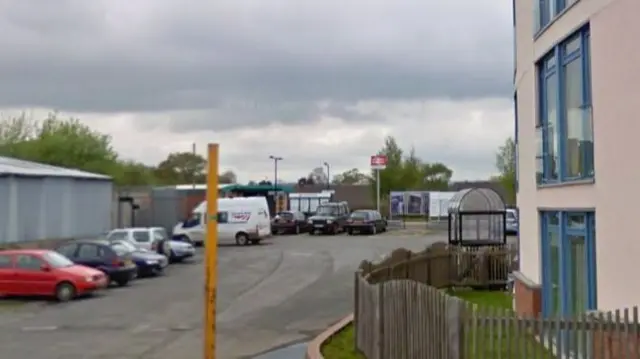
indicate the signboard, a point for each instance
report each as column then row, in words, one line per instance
column 378, row 162
column 419, row 203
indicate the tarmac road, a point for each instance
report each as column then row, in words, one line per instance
column 270, row 296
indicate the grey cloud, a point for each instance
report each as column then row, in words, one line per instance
column 161, row 55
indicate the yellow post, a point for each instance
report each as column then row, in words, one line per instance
column 211, row 255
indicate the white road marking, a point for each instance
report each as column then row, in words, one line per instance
column 301, row 254
column 43, row 328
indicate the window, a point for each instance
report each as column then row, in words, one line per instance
column 568, row 269
column 28, row 262
column 564, row 132
column 515, row 136
column 141, row 236
column 57, row 260
column 159, row 235
column 118, row 235
column 88, row 251
column 547, row 10
column 5, row 262
column 223, row 217
column 68, row 250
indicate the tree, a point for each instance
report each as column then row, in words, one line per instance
column 182, row 167
column 409, row 172
column 227, row 177
column 506, row 166
column 352, row 176
column 59, row 142
column 317, row 175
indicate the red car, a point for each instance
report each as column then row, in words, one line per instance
column 32, row 272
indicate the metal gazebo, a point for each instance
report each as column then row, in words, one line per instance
column 477, row 217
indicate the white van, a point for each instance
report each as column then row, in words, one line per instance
column 243, row 220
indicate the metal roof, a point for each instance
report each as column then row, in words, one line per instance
column 15, row 167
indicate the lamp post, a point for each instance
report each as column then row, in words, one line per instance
column 275, row 159
column 328, row 175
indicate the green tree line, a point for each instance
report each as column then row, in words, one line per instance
column 67, row 142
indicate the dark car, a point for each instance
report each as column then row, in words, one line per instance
column 366, row 221
column 330, row 218
column 289, row 222
column 116, row 263
column 149, row 263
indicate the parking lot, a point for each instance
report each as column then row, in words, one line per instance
column 282, row 292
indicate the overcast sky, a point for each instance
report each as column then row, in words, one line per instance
column 311, row 81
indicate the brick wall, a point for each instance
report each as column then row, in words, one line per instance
column 527, row 296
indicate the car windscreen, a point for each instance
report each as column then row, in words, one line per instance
column 511, row 215
column 360, row 215
column 285, row 215
column 57, row 260
column 326, row 210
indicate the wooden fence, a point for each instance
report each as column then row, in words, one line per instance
column 399, row 315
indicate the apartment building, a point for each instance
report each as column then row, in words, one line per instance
column 577, row 90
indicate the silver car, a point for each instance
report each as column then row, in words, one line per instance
column 155, row 239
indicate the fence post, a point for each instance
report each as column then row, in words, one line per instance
column 455, row 324
column 381, row 343
column 356, row 309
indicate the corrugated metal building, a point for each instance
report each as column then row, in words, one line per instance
column 39, row 201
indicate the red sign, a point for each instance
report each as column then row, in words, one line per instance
column 378, row 161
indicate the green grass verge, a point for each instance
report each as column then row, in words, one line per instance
column 10, row 304
column 483, row 343
column 340, row 346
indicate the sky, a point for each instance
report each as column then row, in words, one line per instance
column 310, row 81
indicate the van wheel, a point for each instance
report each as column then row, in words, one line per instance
column 350, row 232
column 242, row 239
column 65, row 291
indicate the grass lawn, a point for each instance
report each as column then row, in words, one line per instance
column 340, row 346
column 507, row 342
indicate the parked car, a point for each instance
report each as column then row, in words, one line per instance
column 148, row 263
column 289, row 222
column 157, row 240
column 330, row 218
column 512, row 221
column 366, row 221
column 116, row 263
column 31, row 272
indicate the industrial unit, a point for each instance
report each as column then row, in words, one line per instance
column 39, row 201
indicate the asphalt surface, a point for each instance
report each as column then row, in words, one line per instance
column 270, row 296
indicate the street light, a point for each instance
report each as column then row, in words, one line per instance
column 328, row 175
column 275, row 173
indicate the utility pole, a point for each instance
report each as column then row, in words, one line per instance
column 275, row 159
column 193, row 175
column 328, row 175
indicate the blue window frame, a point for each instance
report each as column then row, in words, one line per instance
column 568, row 266
column 515, row 137
column 564, row 128
column 545, row 11
column 568, row 262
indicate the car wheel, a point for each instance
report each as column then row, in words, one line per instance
column 65, row 292
column 297, row 229
column 374, row 230
column 242, row 239
column 350, row 232
column 122, row 282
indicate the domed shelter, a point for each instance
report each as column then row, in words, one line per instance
column 477, row 217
